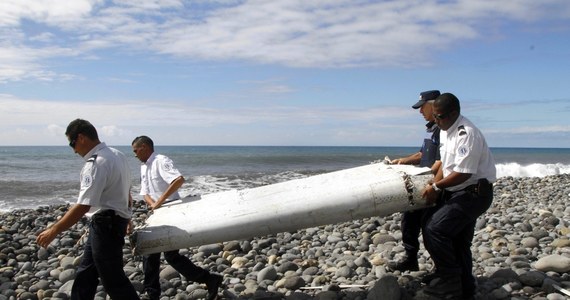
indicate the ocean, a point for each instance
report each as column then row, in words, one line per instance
column 31, row 176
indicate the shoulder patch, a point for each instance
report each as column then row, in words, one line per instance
column 168, row 165
column 87, row 172
column 462, row 151
column 86, row 181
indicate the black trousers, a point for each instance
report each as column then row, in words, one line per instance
column 151, row 268
column 449, row 232
column 103, row 258
column 412, row 222
column 411, row 225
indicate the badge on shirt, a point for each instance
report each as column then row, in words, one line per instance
column 463, row 151
column 168, row 165
column 86, row 173
column 86, row 177
column 86, row 181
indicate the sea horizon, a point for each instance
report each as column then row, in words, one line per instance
column 42, row 175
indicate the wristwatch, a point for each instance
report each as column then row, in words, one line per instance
column 435, row 188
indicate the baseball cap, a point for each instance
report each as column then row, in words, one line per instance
column 425, row 97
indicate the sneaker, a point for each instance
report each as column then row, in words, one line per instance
column 213, row 284
column 407, row 264
column 448, row 287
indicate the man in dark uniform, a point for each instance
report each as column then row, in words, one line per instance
column 426, row 157
column 464, row 185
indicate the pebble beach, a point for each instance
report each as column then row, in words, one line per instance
column 521, row 250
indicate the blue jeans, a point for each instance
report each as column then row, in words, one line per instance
column 151, row 268
column 103, row 258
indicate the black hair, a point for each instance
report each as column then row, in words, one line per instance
column 448, row 102
column 78, row 126
column 143, row 139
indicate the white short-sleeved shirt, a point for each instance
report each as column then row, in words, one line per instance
column 105, row 181
column 156, row 175
column 463, row 149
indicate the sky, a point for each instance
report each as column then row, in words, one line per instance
column 282, row 72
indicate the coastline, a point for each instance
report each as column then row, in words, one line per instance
column 521, row 249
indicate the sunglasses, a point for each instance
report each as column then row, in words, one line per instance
column 441, row 116
column 73, row 142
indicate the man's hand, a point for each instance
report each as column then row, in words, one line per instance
column 397, row 161
column 46, row 237
column 430, row 194
column 130, row 227
column 71, row 217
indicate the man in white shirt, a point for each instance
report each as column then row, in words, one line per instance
column 464, row 183
column 105, row 197
column 160, row 182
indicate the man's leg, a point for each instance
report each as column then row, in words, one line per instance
column 108, row 241
column 440, row 235
column 151, row 270
column 463, row 246
column 87, row 278
column 411, row 225
column 194, row 273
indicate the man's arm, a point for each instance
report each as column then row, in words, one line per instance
column 413, row 159
column 72, row 216
column 173, row 187
column 455, row 178
column 435, row 170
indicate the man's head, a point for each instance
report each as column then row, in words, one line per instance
column 143, row 147
column 82, row 136
column 446, row 110
column 425, row 104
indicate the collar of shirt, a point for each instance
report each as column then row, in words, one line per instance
column 451, row 130
column 431, row 126
column 94, row 150
column 150, row 159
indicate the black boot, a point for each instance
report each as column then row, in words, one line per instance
column 213, row 283
column 447, row 287
column 409, row 263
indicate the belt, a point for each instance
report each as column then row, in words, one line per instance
column 474, row 188
column 106, row 213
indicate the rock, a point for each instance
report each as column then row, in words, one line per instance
column 293, row 283
column 268, row 273
column 169, row 273
column 532, row 278
column 386, row 288
column 554, row 262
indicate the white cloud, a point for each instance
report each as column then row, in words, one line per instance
column 113, row 131
column 121, row 118
column 12, row 12
column 55, row 130
column 324, row 34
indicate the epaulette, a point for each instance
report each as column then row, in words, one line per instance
column 461, row 130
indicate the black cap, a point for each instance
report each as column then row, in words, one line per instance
column 425, row 97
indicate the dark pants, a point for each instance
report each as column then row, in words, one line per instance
column 412, row 222
column 411, row 225
column 103, row 258
column 449, row 232
column 151, row 267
